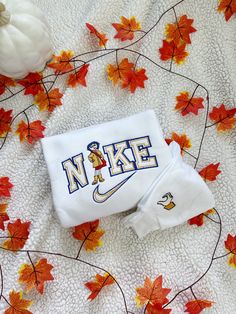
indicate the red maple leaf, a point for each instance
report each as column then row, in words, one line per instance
column 32, row 83
column 127, row 27
column 188, row 104
column 102, row 37
column 98, row 284
column 5, row 186
column 5, row 121
column 30, row 132
column 180, row 31
column 228, row 7
column 169, row 51
column 36, row 276
column 134, row 79
column 224, row 118
column 3, row 215
column 230, row 245
column 199, row 219
column 18, row 235
column 210, row 172
column 48, row 100
column 18, row 305
column 152, row 292
column 119, row 72
column 5, row 82
column 197, row 306
column 90, row 234
column 183, row 141
column 78, row 77
column 62, row 63
column 156, row 309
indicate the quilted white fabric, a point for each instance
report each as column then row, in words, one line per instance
column 181, row 254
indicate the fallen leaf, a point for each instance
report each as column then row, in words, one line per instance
column 98, row 284
column 180, row 31
column 30, row 132
column 230, row 245
column 90, row 234
column 48, row 100
column 35, row 276
column 119, row 72
column 5, row 121
column 5, row 82
column 152, row 292
column 197, row 306
column 18, row 305
column 78, row 77
column 134, row 79
column 169, row 51
column 228, row 7
column 188, row 104
column 3, row 215
column 62, row 63
column 102, row 37
column 18, row 233
column 223, row 118
column 5, row 186
column 183, row 141
column 157, row 309
column 127, row 27
column 210, row 172
column 199, row 219
column 32, row 83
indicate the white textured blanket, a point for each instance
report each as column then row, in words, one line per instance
column 183, row 254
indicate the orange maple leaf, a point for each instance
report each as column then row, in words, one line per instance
column 152, row 292
column 180, row 31
column 210, row 172
column 169, row 51
column 30, row 132
column 5, row 186
column 48, row 100
column 127, row 27
column 183, row 141
column 98, row 284
column 35, row 276
column 32, row 83
column 188, row 104
column 230, row 245
column 102, row 37
column 134, row 79
column 89, row 233
column 18, row 233
column 156, row 309
column 119, row 72
column 199, row 219
column 18, row 304
column 197, row 306
column 228, row 7
column 224, row 118
column 5, row 120
column 62, row 63
column 5, row 82
column 78, row 77
column 3, row 215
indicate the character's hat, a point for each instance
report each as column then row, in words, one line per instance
column 89, row 147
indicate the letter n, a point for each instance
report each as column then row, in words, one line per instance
column 75, row 172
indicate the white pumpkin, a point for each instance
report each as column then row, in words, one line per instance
column 25, row 44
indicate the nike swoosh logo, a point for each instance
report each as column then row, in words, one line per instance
column 102, row 197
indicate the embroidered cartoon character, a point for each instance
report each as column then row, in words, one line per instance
column 97, row 159
column 166, row 201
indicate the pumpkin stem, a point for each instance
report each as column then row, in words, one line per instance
column 4, row 15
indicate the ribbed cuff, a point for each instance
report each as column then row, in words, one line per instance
column 142, row 223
